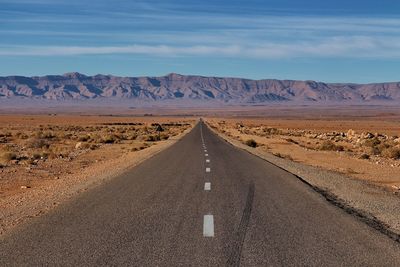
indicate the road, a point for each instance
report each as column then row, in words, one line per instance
column 199, row 205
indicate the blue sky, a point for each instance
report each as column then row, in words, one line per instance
column 332, row 40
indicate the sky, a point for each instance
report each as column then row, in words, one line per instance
column 331, row 40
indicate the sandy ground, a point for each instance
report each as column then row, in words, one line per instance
column 377, row 169
column 50, row 182
column 375, row 202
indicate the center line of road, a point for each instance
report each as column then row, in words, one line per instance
column 207, row 161
column 208, row 169
column 207, row 186
column 205, row 150
column 206, row 155
column 208, row 226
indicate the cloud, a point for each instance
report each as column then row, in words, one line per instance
column 347, row 47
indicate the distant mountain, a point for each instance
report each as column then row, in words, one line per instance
column 181, row 88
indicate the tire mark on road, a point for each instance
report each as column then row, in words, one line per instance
column 234, row 258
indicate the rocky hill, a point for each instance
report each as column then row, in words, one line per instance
column 183, row 88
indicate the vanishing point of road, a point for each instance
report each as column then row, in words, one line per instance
column 201, row 202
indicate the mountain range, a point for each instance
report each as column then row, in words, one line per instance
column 181, row 88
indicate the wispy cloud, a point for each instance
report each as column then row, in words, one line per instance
column 350, row 47
column 117, row 31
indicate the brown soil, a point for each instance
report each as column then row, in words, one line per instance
column 325, row 143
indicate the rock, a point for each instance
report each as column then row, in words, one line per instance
column 78, row 145
column 25, row 186
column 351, row 133
column 367, row 135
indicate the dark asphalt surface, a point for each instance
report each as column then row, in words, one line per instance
column 153, row 216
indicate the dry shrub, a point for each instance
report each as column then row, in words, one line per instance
column 83, row 138
column 372, row 142
column 60, row 152
column 272, row 131
column 6, row 156
column 164, row 136
column 152, row 138
column 109, row 139
column 391, row 152
column 251, row 143
column 21, row 135
column 37, row 143
column 364, row 156
column 5, row 134
column 330, row 146
column 45, row 135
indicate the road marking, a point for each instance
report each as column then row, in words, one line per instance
column 205, row 150
column 208, row 226
column 208, row 169
column 207, row 186
column 206, row 155
column 207, row 161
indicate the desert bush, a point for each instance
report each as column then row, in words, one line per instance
column 131, row 136
column 374, row 150
column 364, row 156
column 330, row 146
column 41, row 155
column 83, row 138
column 164, row 136
column 37, row 143
column 152, row 138
column 6, row 156
column 21, row 135
column 109, row 139
column 251, row 143
column 5, row 134
column 380, row 148
column 272, row 131
column 60, row 151
column 372, row 142
column 45, row 135
column 391, row 152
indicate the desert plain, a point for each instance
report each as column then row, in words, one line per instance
column 50, row 156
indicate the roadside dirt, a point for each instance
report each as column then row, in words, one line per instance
column 320, row 146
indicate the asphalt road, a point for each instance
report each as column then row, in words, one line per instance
column 160, row 214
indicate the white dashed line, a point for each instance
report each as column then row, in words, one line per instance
column 206, row 155
column 205, row 150
column 207, row 161
column 208, row 169
column 208, row 226
column 207, row 186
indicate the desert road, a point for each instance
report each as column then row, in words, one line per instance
column 201, row 202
